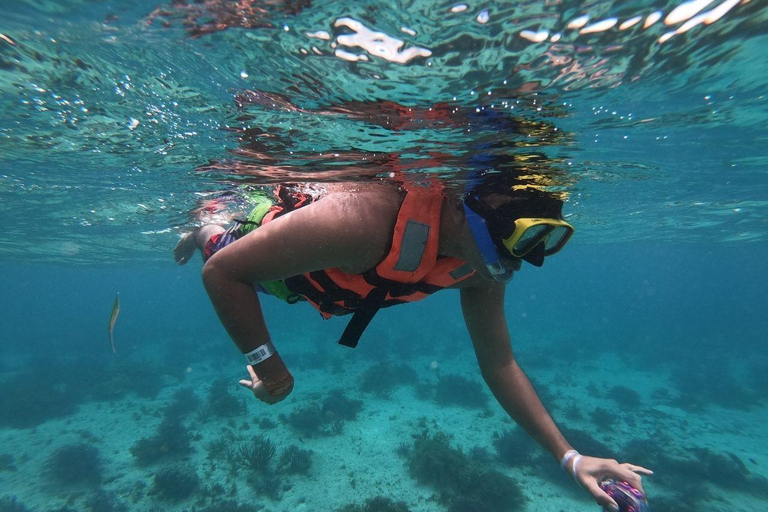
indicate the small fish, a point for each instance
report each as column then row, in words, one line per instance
column 113, row 320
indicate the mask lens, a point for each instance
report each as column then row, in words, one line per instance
column 555, row 239
column 530, row 238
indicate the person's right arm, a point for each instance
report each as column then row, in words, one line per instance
column 338, row 231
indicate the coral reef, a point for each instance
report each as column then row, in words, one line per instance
column 172, row 441
column 459, row 391
column 462, row 483
column 74, row 464
column 175, row 483
column 377, row 504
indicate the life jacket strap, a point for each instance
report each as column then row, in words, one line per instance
column 396, row 289
column 368, row 308
column 300, row 285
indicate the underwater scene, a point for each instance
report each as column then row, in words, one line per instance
column 129, row 127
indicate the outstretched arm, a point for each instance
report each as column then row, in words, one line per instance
column 483, row 309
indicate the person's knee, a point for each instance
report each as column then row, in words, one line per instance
column 212, row 273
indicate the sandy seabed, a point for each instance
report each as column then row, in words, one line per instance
column 362, row 462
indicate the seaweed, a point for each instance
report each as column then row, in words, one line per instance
column 295, row 461
column 677, row 503
column 377, row 504
column 184, row 401
column 10, row 504
column 324, row 420
column 338, row 407
column 221, row 402
column 24, row 406
column 175, row 483
column 103, row 501
column 627, row 399
column 702, row 382
column 574, row 411
column 112, row 382
column 692, row 475
column 602, row 418
column 7, row 462
column 218, row 448
column 172, row 441
column 459, row 391
column 462, row 483
column 728, row 471
column 229, row 506
column 585, row 443
column 256, row 456
column 516, row 448
column 75, row 464
column 267, row 424
column 383, row 378
column 267, row 485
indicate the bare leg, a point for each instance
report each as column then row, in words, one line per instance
column 192, row 240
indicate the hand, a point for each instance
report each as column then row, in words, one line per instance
column 260, row 391
column 591, row 471
column 185, row 249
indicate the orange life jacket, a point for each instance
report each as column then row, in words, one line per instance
column 411, row 271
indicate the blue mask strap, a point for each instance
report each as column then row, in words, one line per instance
column 485, row 244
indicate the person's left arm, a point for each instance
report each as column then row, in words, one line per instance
column 483, row 308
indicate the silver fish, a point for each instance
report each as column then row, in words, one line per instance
column 113, row 320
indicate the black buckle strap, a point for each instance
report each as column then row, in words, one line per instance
column 301, row 286
column 370, row 305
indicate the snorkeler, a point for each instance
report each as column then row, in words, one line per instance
column 359, row 247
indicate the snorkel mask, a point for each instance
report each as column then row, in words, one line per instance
column 501, row 236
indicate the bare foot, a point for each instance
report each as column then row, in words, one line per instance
column 185, row 249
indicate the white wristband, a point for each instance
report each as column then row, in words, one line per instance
column 576, row 461
column 260, row 353
column 566, row 457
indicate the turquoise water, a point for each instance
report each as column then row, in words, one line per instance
column 645, row 337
